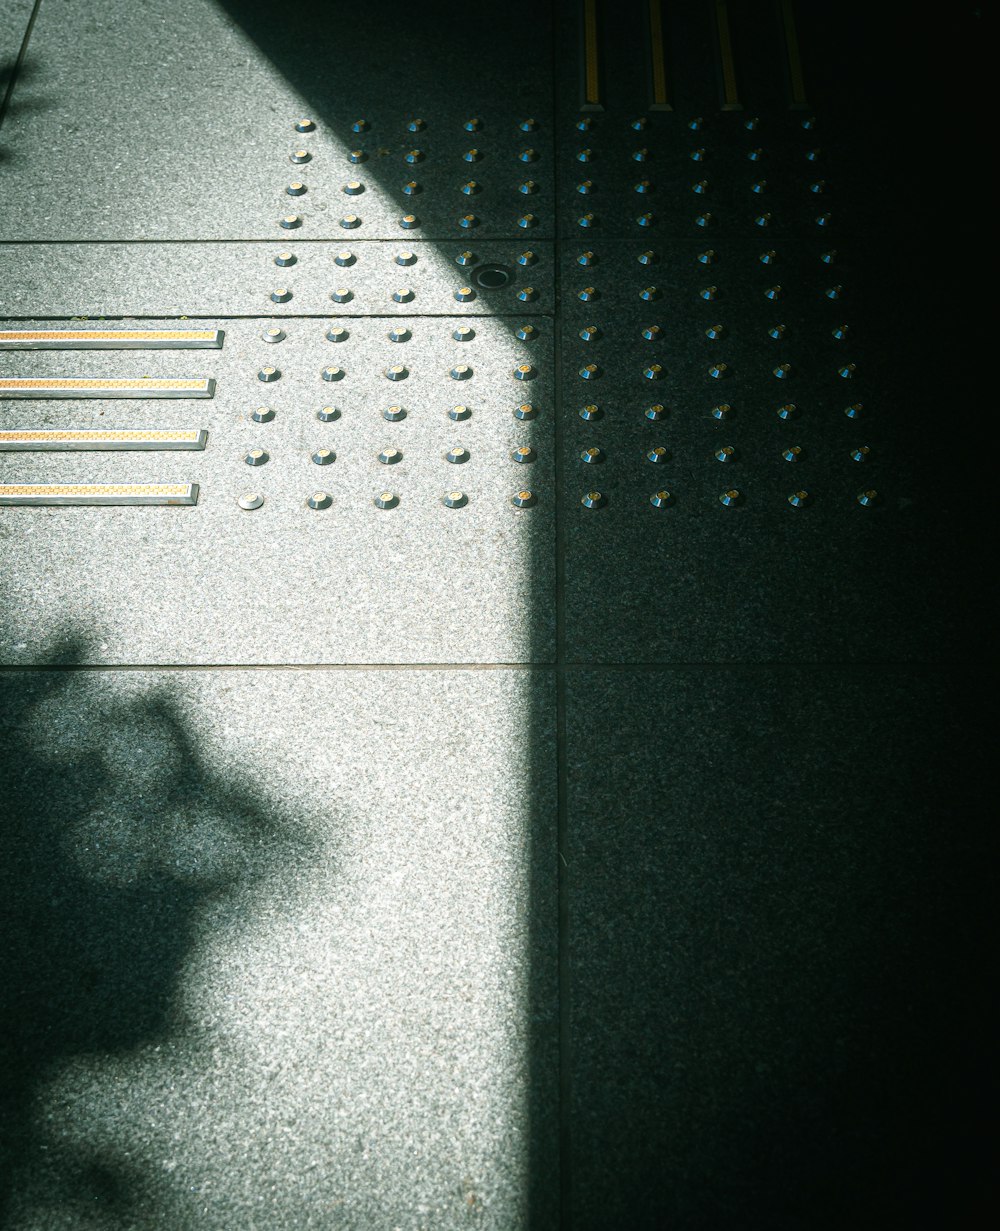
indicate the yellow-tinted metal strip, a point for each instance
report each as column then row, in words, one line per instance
column 77, row 387
column 97, row 493
column 45, row 440
column 730, row 95
column 591, row 59
column 796, row 83
column 111, row 339
column 659, row 99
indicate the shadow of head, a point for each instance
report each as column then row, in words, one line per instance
column 117, row 833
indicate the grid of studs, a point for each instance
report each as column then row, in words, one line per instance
column 718, row 174
column 696, row 376
column 381, row 419
column 485, row 177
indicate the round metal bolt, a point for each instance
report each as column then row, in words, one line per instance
column 526, row 221
column 788, row 411
column 656, row 412
column 525, row 411
column 707, row 257
column 713, row 331
column 657, row 455
column 722, row 411
column 354, row 188
column 660, row 500
column 350, row 221
column 472, row 155
column 592, row 455
column 829, row 258
column 868, row 498
column 649, row 293
column 584, row 155
column 457, row 455
column 390, row 456
column 730, row 497
column 639, row 124
column 703, row 220
column 465, row 294
column 587, row 295
column 360, row 126
column 299, row 156
column 526, row 294
column 524, row 371
column 700, row 187
column 327, row 414
column 411, row 188
column 777, row 332
column 473, row 125
column 585, row 124
column 337, row 333
column 454, row 500
column 773, row 292
column 415, row 126
column 528, row 155
column 295, row 189
column 813, row 155
column 840, row 332
column 523, row 453
column 758, row 186
column 698, row 155
column 386, row 500
column 468, row 221
column 464, row 333
column 252, row 500
column 323, row 457
column 342, row 295
column 854, row 410
column 818, row 187
column 399, row 334
column 459, row 413
column 783, row 371
column 396, row 372
column 592, row 500
column 718, row 370
column 466, row 258
column 792, row 454
column 589, row 413
column 523, row 499
column 526, row 258
column 589, row 371
column 861, row 454
column 470, row 188
column 263, row 414
column 586, row 258
column 762, row 220
column 409, row 221
column 285, row 258
column 726, row 454
column 834, row 292
column 528, row 188
column 755, row 155
column 529, row 125
column 320, row 500
column 333, row 373
column 808, row 122
column 798, row 500
column 645, row 220
column 585, row 187
column 268, row 374
column 824, row 220
column 769, row 257
column 356, row 156
column 256, row 457
column 847, row 371
column 402, row 294
column 527, row 333
column 290, row 222
column 345, row 257
column 589, row 333
column 654, row 372
column 647, row 258
column 281, row 294
column 394, row 413
column 708, row 293
column 696, row 123
column 461, row 371
column 305, row 126
column 413, row 156
column 652, row 333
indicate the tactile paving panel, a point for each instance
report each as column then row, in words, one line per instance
column 289, row 277
column 163, row 163
column 344, row 582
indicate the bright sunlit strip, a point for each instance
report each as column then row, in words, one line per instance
column 98, row 493
column 76, row 387
column 48, row 439
column 110, row 339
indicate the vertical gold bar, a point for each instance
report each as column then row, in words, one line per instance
column 796, row 83
column 730, row 95
column 659, row 98
column 591, row 59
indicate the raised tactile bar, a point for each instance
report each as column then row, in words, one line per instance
column 50, row 439
column 111, row 339
column 97, row 493
column 78, row 387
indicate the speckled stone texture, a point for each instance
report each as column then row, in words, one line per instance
column 776, row 1007
column 279, row 950
column 287, row 583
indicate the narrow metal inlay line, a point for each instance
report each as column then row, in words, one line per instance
column 97, row 493
column 52, row 439
column 79, row 387
column 111, row 339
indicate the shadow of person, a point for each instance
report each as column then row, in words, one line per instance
column 115, row 833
